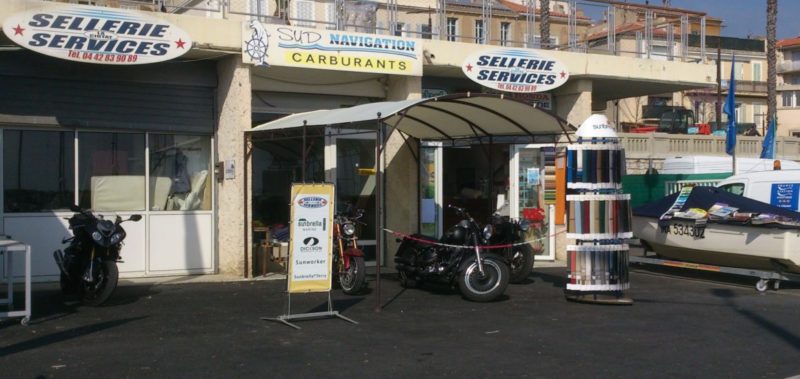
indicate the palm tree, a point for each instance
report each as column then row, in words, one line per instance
column 544, row 26
column 772, row 15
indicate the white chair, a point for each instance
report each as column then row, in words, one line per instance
column 192, row 200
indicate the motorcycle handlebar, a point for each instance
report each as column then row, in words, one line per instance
column 459, row 210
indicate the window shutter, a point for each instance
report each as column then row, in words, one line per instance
column 304, row 13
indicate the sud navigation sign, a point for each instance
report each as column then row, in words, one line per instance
column 97, row 35
column 280, row 45
column 515, row 70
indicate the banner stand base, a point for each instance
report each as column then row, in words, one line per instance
column 307, row 316
column 599, row 298
column 284, row 319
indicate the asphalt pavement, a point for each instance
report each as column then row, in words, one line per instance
column 679, row 326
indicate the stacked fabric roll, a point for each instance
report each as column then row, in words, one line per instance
column 599, row 214
column 549, row 175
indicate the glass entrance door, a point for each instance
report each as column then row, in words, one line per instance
column 430, row 171
column 528, row 186
column 350, row 165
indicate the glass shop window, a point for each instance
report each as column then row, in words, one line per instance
column 276, row 165
column 38, row 170
column 180, row 172
column 111, row 171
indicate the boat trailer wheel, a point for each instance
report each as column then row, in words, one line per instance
column 764, row 284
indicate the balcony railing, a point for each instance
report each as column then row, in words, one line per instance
column 662, row 145
column 428, row 19
column 788, row 66
column 747, row 86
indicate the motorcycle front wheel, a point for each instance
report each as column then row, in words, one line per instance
column 521, row 262
column 483, row 287
column 105, row 283
column 352, row 280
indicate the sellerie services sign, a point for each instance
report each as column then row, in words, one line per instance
column 280, row 45
column 97, row 35
column 515, row 70
column 310, row 242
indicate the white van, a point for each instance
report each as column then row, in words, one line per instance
column 780, row 188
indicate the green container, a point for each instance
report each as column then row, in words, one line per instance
column 651, row 187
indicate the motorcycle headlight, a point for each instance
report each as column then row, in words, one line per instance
column 348, row 229
column 116, row 238
column 524, row 225
column 97, row 236
column 488, row 230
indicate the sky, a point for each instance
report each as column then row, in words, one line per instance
column 741, row 18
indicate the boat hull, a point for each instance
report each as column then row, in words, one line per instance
column 752, row 247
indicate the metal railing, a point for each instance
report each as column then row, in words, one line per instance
column 788, row 66
column 662, row 145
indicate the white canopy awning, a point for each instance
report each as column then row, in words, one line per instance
column 445, row 117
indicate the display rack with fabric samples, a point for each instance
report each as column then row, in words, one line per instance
column 598, row 215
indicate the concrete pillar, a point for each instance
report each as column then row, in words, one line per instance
column 402, row 170
column 574, row 101
column 233, row 110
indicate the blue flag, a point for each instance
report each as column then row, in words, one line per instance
column 730, row 110
column 768, row 148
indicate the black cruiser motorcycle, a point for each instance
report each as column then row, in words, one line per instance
column 480, row 276
column 348, row 259
column 88, row 264
column 519, row 255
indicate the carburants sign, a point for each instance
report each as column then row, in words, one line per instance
column 97, row 35
column 515, row 70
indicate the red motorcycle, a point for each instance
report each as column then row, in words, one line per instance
column 348, row 259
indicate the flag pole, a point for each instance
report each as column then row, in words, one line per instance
column 730, row 110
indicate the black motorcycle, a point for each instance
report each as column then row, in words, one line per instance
column 518, row 254
column 88, row 264
column 348, row 259
column 455, row 258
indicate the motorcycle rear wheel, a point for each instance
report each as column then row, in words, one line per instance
column 487, row 287
column 352, row 280
column 97, row 294
column 521, row 261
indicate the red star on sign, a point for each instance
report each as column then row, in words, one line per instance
column 18, row 30
column 469, row 67
column 180, row 43
column 563, row 74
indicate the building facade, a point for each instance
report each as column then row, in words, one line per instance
column 788, row 87
column 167, row 139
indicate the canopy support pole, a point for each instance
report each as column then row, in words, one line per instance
column 491, row 176
column 246, row 190
column 303, row 172
column 378, row 211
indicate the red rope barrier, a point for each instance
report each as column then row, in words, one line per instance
column 482, row 247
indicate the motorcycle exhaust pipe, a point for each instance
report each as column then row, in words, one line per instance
column 58, row 255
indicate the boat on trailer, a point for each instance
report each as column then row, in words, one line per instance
column 707, row 225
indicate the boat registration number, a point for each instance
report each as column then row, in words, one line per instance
column 685, row 230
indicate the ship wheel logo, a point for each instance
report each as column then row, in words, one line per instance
column 258, row 44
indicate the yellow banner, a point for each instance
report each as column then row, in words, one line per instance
column 311, row 238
